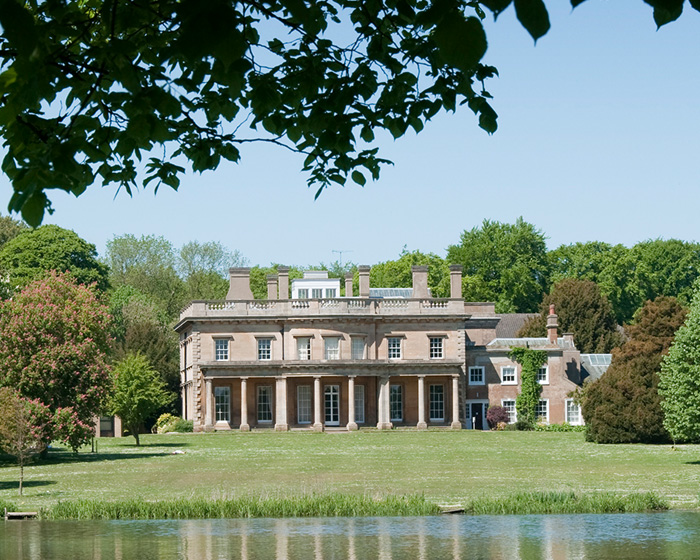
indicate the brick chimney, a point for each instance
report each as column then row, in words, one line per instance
column 552, row 326
column 420, row 282
column 283, row 280
column 239, row 286
column 271, row 286
column 456, row 281
column 363, row 269
column 348, row 284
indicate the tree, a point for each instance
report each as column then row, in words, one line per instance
column 679, row 383
column 583, row 311
column 204, row 269
column 33, row 253
column 22, row 425
column 53, row 345
column 530, row 389
column 503, row 263
column 88, row 88
column 9, row 229
column 138, row 392
column 624, row 405
column 397, row 274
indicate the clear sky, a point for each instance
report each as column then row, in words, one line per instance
column 599, row 137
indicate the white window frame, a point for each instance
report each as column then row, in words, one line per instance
column 396, row 402
column 482, row 375
column 359, row 404
column 303, row 353
column 514, row 381
column 512, row 415
column 330, row 293
column 222, row 404
column 545, row 380
column 262, row 389
column 304, row 404
column 330, row 353
column 303, row 293
column 437, row 347
column 355, row 341
column 438, row 405
column 542, row 418
column 316, row 293
column 394, row 347
column 221, row 349
column 264, row 349
column 570, row 402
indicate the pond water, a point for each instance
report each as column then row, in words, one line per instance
column 673, row 535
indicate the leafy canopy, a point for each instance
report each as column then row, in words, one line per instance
column 90, row 89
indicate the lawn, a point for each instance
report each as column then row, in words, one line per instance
column 445, row 466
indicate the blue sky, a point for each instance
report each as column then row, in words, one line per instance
column 599, row 130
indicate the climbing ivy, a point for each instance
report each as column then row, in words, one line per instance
column 530, row 391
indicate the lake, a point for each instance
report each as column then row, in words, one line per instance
column 670, row 535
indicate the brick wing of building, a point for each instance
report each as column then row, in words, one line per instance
column 384, row 359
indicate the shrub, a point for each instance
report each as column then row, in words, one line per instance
column 496, row 415
column 183, row 426
column 565, row 427
column 523, row 426
column 165, row 423
column 501, row 426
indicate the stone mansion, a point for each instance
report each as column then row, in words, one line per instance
column 385, row 358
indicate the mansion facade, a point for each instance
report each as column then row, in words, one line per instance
column 384, row 358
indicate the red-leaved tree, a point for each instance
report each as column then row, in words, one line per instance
column 53, row 344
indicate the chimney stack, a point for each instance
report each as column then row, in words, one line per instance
column 456, row 281
column 420, row 282
column 239, row 286
column 283, row 279
column 363, row 269
column 552, row 326
column 348, row 284
column 271, row 286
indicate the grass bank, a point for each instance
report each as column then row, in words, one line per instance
column 445, row 467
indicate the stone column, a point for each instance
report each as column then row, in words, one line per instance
column 271, row 286
column 363, row 271
column 283, row 281
column 318, row 424
column 351, row 403
column 245, row 427
column 209, row 414
column 456, row 424
column 456, row 281
column 422, row 425
column 384, row 420
column 348, row 284
column 281, row 405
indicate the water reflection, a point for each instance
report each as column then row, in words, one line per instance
column 557, row 537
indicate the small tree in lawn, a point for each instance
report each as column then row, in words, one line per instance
column 22, row 426
column 679, row 379
column 530, row 390
column 138, row 392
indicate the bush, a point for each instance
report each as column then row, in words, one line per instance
column 501, row 426
column 166, row 423
column 183, row 426
column 523, row 426
column 565, row 427
column 496, row 415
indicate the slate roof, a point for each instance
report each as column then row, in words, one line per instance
column 511, row 323
column 529, row 343
column 594, row 365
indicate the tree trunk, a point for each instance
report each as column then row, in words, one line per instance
column 136, row 436
column 21, row 476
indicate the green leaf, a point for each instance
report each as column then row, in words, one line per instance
column 575, row 3
column 496, row 6
column 359, row 178
column 666, row 11
column 695, row 4
column 462, row 42
column 533, row 16
column 33, row 209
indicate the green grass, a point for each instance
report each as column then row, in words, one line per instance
column 445, row 467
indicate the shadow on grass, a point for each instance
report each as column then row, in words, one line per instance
column 13, row 484
column 59, row 457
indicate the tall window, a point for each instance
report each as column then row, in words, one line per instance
column 394, row 347
column 543, row 375
column 303, row 293
column 396, row 403
column 221, row 349
column 542, row 410
column 304, row 348
column 508, row 375
column 358, row 348
column 436, row 347
column 437, row 403
column 304, row 404
column 222, row 400
column 317, row 293
column 476, row 375
column 573, row 413
column 264, row 349
column 264, row 403
column 330, row 292
column 332, row 344
column 360, row 404
column 510, row 409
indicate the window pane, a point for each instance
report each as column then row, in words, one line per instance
column 358, row 348
column 317, row 293
column 476, row 375
column 543, row 375
column 332, row 348
column 360, row 404
column 330, row 292
column 396, row 402
column 304, row 404
column 303, row 293
column 436, row 347
column 221, row 349
column 508, row 375
column 264, row 349
column 573, row 413
column 222, row 398
column 304, row 348
column 265, row 403
column 437, row 403
column 394, row 347
column 542, row 411
column 510, row 409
